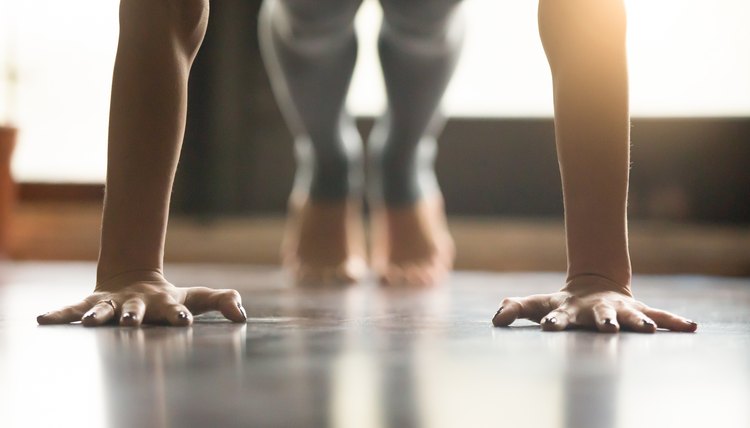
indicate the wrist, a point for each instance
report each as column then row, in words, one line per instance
column 588, row 283
column 107, row 278
column 117, row 260
column 129, row 244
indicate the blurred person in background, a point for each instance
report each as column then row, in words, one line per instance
column 310, row 49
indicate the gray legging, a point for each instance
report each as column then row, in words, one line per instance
column 310, row 48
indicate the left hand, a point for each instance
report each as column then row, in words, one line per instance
column 594, row 308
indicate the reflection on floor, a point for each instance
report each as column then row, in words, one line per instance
column 365, row 356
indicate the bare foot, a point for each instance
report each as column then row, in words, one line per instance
column 324, row 242
column 412, row 244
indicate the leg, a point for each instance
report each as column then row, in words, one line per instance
column 585, row 45
column 309, row 50
column 419, row 46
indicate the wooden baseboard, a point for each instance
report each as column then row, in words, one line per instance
column 70, row 231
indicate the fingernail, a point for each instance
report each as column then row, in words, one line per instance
column 239, row 306
column 552, row 320
column 90, row 315
column 648, row 323
column 128, row 316
column 608, row 321
column 42, row 315
column 182, row 315
column 497, row 313
column 692, row 323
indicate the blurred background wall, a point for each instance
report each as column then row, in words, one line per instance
column 690, row 92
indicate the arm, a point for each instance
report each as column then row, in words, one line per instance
column 158, row 43
column 585, row 45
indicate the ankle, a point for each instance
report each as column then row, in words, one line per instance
column 329, row 172
column 400, row 179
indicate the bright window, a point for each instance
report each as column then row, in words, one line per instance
column 64, row 52
column 687, row 58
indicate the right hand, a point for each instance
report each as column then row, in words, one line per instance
column 146, row 297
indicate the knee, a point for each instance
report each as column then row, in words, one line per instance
column 152, row 22
column 310, row 20
column 431, row 20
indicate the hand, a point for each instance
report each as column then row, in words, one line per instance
column 142, row 296
column 592, row 306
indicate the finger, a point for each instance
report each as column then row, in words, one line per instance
column 557, row 320
column 605, row 317
column 635, row 320
column 165, row 309
column 531, row 307
column 99, row 314
column 132, row 312
column 670, row 321
column 65, row 315
column 228, row 302
column 179, row 316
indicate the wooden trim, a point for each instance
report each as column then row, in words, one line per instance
column 67, row 231
column 60, row 192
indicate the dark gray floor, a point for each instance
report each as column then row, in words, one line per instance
column 368, row 357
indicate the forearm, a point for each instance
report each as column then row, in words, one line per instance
column 585, row 43
column 593, row 150
column 147, row 123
